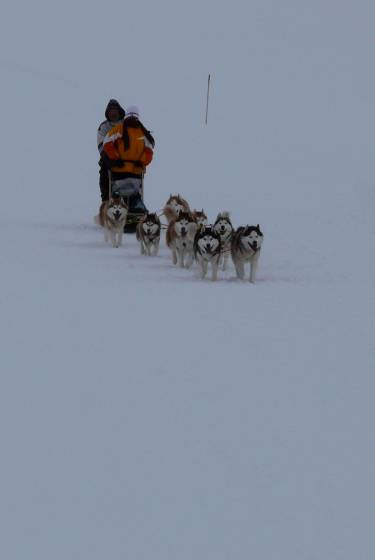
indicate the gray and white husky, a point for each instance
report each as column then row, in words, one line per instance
column 245, row 248
column 223, row 226
column 180, row 238
column 207, row 249
column 148, row 234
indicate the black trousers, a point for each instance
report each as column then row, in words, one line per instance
column 103, row 180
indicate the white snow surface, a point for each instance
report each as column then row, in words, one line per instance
column 145, row 413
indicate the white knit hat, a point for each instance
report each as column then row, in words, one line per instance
column 132, row 111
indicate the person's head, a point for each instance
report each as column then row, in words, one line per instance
column 132, row 120
column 114, row 112
column 132, row 112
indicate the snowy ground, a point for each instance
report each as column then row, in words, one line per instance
column 148, row 414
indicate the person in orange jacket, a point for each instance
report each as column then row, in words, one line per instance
column 128, row 147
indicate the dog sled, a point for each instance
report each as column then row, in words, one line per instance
column 131, row 191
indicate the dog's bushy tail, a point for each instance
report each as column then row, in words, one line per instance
column 99, row 218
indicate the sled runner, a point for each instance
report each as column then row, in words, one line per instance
column 131, row 191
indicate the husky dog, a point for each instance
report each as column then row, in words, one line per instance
column 174, row 205
column 148, row 234
column 180, row 239
column 245, row 247
column 200, row 217
column 112, row 216
column 207, row 249
column 223, row 226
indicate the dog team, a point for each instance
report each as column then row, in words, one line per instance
column 188, row 236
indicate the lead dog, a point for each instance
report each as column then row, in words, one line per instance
column 207, row 249
column 180, row 239
column 245, row 248
column 174, row 205
column 148, row 234
column 223, row 226
column 112, row 216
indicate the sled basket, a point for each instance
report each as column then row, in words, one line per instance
column 131, row 191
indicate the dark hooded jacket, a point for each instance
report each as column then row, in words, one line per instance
column 106, row 125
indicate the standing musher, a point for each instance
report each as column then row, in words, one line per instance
column 127, row 150
column 114, row 115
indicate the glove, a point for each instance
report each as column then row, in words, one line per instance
column 115, row 163
column 107, row 162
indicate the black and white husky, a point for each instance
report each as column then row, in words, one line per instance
column 245, row 247
column 207, row 249
column 223, row 226
column 148, row 234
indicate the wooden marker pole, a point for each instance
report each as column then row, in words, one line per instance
column 208, row 95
